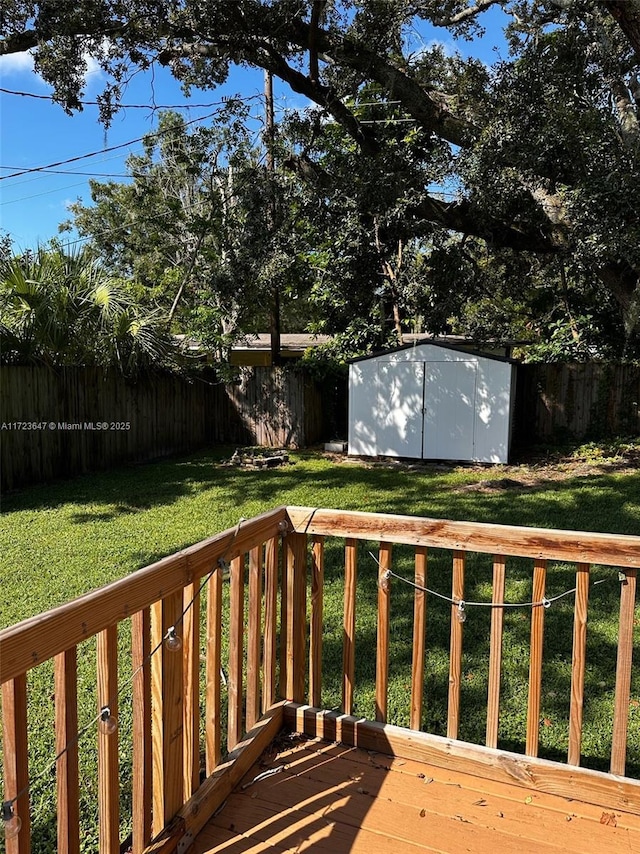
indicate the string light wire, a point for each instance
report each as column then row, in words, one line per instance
column 105, row 710
column 462, row 604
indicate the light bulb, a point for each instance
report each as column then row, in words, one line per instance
column 11, row 823
column 172, row 641
column 108, row 724
column 383, row 581
column 461, row 614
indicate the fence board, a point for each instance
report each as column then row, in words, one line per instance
column 560, row 401
column 166, row 415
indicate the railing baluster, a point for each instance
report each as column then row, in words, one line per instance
column 213, row 729
column 382, row 653
column 270, row 618
column 66, row 723
column 419, row 625
column 316, row 628
column 167, row 688
column 254, row 637
column 455, row 654
column 16, row 759
column 578, row 661
column 535, row 661
column 349, row 625
column 495, row 653
column 623, row 673
column 296, row 595
column 142, row 750
column 108, row 767
column 191, row 641
column 236, row 653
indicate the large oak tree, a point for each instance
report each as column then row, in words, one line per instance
column 542, row 149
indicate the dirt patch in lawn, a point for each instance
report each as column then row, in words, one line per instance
column 528, row 471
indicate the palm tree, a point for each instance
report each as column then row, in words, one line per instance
column 63, row 308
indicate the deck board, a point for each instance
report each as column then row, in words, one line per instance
column 334, row 798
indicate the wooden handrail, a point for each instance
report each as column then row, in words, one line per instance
column 166, row 685
column 39, row 638
column 540, row 543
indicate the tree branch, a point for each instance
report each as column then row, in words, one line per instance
column 465, row 14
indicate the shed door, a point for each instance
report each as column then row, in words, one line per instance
column 449, row 410
column 398, row 412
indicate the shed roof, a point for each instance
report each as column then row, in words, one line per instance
column 470, row 348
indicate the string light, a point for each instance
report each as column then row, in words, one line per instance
column 462, row 604
column 11, row 823
column 108, row 723
column 172, row 641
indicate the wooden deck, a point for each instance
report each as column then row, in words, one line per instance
column 333, row 798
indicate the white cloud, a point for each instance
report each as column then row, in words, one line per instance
column 16, row 63
column 21, row 64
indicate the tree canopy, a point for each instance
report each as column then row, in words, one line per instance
column 520, row 179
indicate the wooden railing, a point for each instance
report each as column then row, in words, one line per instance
column 462, row 538
column 167, row 688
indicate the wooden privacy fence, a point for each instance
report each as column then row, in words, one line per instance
column 565, row 401
column 72, row 420
column 164, row 603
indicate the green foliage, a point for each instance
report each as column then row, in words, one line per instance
column 62, row 308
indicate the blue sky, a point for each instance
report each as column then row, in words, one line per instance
column 35, row 132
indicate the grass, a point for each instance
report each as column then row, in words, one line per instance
column 61, row 540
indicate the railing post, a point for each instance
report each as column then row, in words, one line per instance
column 296, row 622
column 578, row 663
column 270, row 624
column 66, row 722
column 419, row 625
column 254, row 636
column 142, row 746
column 455, row 651
column 495, row 652
column 236, row 652
column 108, row 765
column 16, row 759
column 213, row 729
column 623, row 673
column 349, row 625
column 535, row 658
column 382, row 652
column 167, row 694
column 191, row 642
column 316, row 628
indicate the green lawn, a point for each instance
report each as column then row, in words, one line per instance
column 61, row 540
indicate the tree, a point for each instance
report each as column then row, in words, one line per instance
column 62, row 308
column 542, row 150
column 192, row 231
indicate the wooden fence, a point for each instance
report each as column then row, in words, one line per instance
column 566, row 401
column 72, row 420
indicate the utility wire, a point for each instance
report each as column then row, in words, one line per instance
column 102, row 150
column 151, row 107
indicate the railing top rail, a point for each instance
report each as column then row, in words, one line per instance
column 538, row 543
column 39, row 638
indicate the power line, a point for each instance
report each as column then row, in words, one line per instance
column 102, row 151
column 151, row 107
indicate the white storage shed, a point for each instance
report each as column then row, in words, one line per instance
column 432, row 401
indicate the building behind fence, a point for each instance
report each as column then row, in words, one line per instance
column 71, row 420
